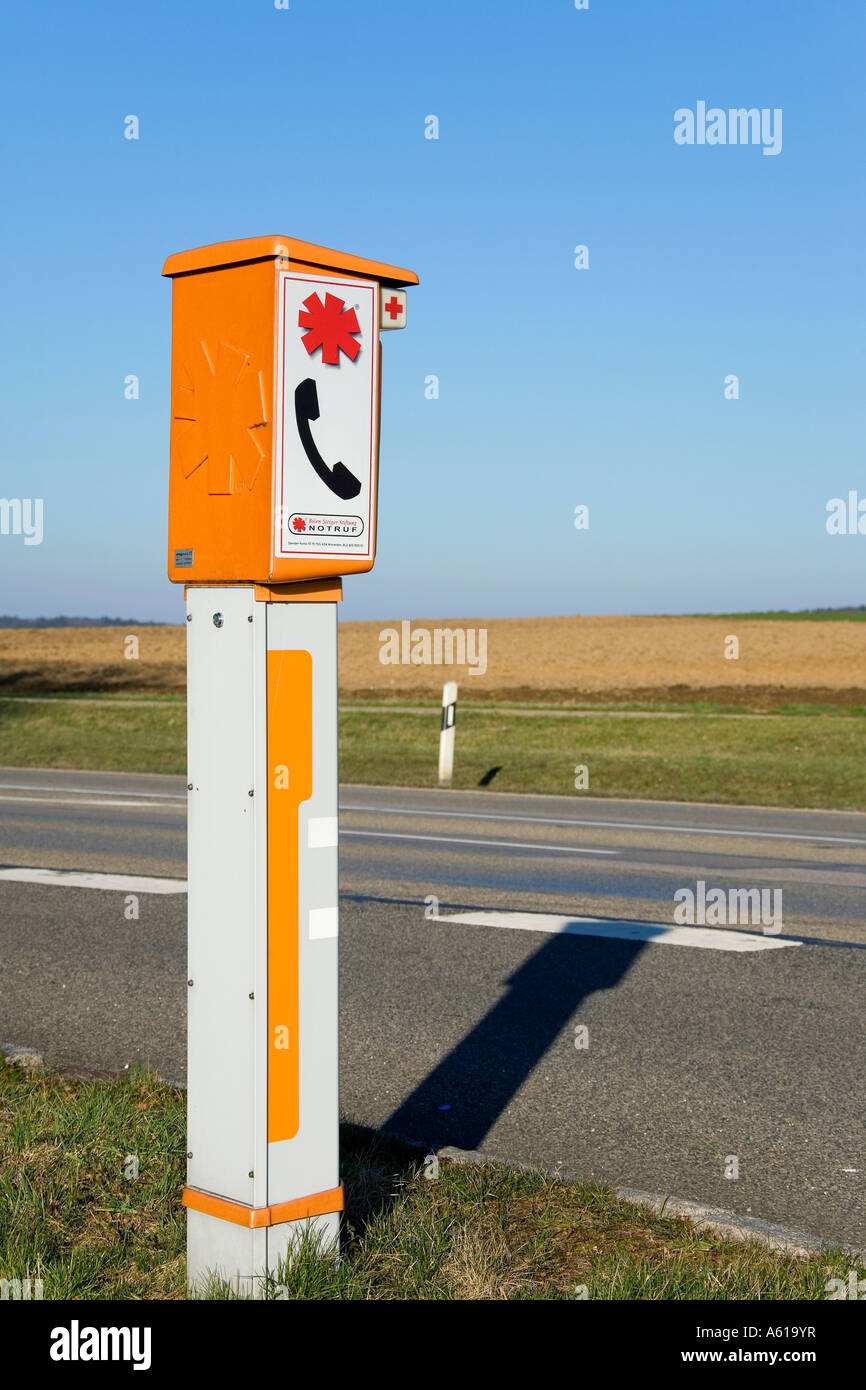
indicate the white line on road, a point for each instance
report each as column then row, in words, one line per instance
column 462, row 840
column 89, row 791
column 80, row 801
column 114, row 883
column 109, row 798
column 608, row 824
column 709, row 938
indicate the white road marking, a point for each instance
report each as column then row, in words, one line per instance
column 144, row 797
column 323, row 921
column 609, row 824
column 90, row 791
column 709, row 938
column 79, row 801
column 114, row 883
column 462, row 840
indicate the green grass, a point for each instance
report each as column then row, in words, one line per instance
column 802, row 758
column 98, row 735
column 791, row 760
column 69, row 1217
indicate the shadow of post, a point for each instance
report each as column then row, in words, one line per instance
column 463, row 1097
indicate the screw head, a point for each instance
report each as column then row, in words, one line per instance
column 189, row 786
column 190, row 983
column 251, row 792
column 218, row 619
column 189, row 1155
column 250, row 618
column 189, row 617
column 252, row 996
column 250, row 1175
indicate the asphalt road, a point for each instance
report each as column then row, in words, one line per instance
column 464, row 1032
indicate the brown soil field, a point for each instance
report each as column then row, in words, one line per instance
column 560, row 660
column 91, row 659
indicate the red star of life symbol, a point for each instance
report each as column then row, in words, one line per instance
column 299, row 524
column 330, row 326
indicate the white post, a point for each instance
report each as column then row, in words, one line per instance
column 446, row 737
column 263, row 1160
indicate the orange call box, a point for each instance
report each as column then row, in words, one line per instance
column 275, row 392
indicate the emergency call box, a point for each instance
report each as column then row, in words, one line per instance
column 275, row 393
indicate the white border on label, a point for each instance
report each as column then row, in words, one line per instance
column 351, row 285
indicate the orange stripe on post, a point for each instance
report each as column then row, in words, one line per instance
column 290, row 781
column 299, row 1209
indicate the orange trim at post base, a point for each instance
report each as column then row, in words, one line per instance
column 299, row 1209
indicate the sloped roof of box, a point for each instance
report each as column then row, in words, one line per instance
column 260, row 248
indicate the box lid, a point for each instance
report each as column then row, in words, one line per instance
column 259, row 248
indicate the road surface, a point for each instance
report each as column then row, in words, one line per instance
column 699, row 1060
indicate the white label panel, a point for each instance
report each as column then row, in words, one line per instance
column 322, row 833
column 327, row 400
column 324, row 922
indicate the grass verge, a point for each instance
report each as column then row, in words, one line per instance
column 99, row 735
column 792, row 760
column 797, row 759
column 68, row 1214
column 70, row 1217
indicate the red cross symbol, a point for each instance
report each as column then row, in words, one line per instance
column 394, row 307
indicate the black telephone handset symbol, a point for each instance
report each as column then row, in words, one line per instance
column 339, row 478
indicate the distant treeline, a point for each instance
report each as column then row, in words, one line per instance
column 816, row 614
column 62, row 621
column 7, row 621
column 849, row 608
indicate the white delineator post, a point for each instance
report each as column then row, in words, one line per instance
column 446, row 737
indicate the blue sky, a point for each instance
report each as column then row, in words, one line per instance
column 557, row 386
